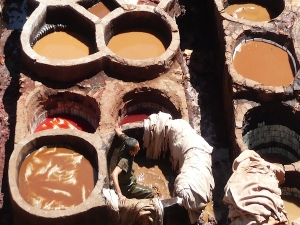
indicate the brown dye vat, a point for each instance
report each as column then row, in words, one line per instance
column 63, row 45
column 264, row 63
column 148, row 2
column 250, row 11
column 292, row 207
column 156, row 174
column 99, row 10
column 138, row 44
column 55, row 178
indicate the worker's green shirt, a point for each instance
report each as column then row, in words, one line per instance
column 125, row 162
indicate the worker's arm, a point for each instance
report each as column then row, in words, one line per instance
column 114, row 175
column 118, row 131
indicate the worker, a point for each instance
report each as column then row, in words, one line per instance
column 124, row 180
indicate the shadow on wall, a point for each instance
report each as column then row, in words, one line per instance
column 14, row 14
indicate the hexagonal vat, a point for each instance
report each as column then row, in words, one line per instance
column 138, row 106
column 272, row 131
column 142, row 43
column 46, row 190
column 100, row 8
column 59, row 43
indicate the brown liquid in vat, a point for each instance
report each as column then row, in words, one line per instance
column 264, row 63
column 157, row 174
column 138, row 44
column 55, row 178
column 250, row 12
column 63, row 45
column 292, row 207
column 99, row 10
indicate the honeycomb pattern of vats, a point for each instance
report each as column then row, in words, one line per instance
column 60, row 15
column 241, row 94
column 101, row 96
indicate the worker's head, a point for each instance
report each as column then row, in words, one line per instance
column 132, row 146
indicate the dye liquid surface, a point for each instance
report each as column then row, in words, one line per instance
column 99, row 10
column 64, row 122
column 55, row 178
column 292, row 207
column 264, row 63
column 137, row 44
column 250, row 12
column 63, row 45
column 156, row 174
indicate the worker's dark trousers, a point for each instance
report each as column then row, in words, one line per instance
column 135, row 190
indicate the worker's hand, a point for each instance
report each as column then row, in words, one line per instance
column 122, row 199
column 118, row 131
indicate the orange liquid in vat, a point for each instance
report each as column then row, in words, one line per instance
column 250, row 12
column 63, row 45
column 137, row 44
column 99, row 10
column 55, row 178
column 292, row 207
column 264, row 63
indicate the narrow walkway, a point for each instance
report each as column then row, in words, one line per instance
column 197, row 32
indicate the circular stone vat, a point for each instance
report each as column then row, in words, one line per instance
column 59, row 43
column 84, row 212
column 55, row 177
column 141, row 43
column 291, row 199
column 273, row 132
column 62, row 110
column 138, row 106
column 257, row 10
column 264, row 61
column 62, row 43
column 138, row 43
